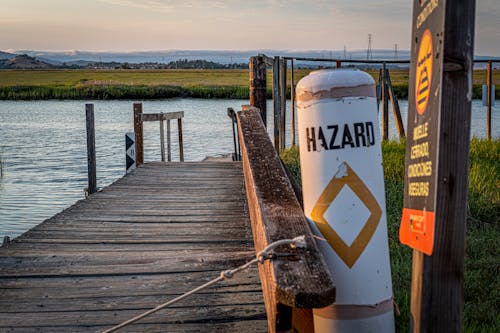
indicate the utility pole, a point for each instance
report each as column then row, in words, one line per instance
column 369, row 55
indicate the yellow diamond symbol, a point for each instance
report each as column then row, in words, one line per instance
column 347, row 177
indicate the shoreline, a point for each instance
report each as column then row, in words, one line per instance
column 151, row 92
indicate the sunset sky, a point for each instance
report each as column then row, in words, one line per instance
column 121, row 25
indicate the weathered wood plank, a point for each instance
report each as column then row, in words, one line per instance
column 161, row 116
column 113, row 316
column 152, row 235
column 275, row 214
column 249, row 325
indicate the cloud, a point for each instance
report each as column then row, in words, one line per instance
column 165, row 5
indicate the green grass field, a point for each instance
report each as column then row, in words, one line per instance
column 482, row 266
column 126, row 84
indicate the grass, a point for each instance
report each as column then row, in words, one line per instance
column 152, row 84
column 482, row 268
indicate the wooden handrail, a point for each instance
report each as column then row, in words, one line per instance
column 140, row 118
column 276, row 214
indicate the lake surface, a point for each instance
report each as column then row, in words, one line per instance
column 43, row 147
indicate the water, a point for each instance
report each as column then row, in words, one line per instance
column 43, row 148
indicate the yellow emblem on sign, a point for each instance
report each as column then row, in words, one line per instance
column 347, row 177
column 423, row 72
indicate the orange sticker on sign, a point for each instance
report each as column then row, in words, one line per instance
column 423, row 72
column 417, row 230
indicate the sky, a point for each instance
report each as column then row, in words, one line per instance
column 133, row 25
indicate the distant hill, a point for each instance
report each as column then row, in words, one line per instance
column 5, row 55
column 217, row 56
column 23, row 62
column 199, row 58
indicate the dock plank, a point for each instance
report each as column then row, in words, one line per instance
column 147, row 238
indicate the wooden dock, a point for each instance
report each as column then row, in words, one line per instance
column 152, row 235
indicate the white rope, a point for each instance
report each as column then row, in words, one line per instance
column 261, row 257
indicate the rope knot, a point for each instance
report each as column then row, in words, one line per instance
column 226, row 274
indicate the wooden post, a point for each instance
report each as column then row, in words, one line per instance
column 91, row 160
column 282, row 85
column 181, row 143
column 162, row 139
column 258, row 85
column 276, row 103
column 395, row 106
column 139, row 134
column 385, row 105
column 231, row 114
column 339, row 64
column 379, row 89
column 435, row 203
column 169, row 142
column 488, row 112
column 292, row 98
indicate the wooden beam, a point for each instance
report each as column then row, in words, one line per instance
column 139, row 134
column 276, row 214
column 91, row 159
column 161, row 116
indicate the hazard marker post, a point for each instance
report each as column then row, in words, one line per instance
column 437, row 150
column 130, row 164
column 344, row 198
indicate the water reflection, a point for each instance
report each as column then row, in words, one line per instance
column 43, row 148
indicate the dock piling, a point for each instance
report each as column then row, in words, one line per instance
column 139, row 134
column 258, row 89
column 91, row 160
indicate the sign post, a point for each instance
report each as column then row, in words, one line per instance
column 130, row 163
column 437, row 150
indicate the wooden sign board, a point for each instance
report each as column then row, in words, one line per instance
column 437, row 153
column 424, row 113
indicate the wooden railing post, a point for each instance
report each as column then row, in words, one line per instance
column 162, row 139
column 139, row 134
column 258, row 85
column 181, row 143
column 161, row 117
column 385, row 105
column 282, row 94
column 292, row 99
column 91, row 160
column 379, row 89
column 488, row 112
column 395, row 106
column 276, row 103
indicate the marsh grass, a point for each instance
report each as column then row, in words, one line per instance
column 482, row 268
column 154, row 84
